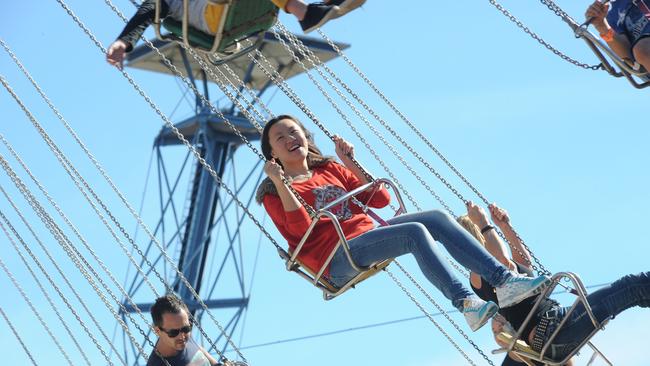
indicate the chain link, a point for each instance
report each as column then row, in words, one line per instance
column 310, row 56
column 66, row 245
column 539, row 39
column 42, row 288
column 33, row 308
column 60, row 271
column 536, row 263
column 446, row 315
column 426, row 313
column 20, row 340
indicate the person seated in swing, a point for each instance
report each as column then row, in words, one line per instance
column 291, row 153
column 625, row 27
column 203, row 16
column 607, row 302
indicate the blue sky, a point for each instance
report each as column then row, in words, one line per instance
column 563, row 149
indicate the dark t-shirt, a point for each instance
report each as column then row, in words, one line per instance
column 190, row 356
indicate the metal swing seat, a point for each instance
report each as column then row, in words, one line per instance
column 240, row 20
column 330, row 291
column 521, row 348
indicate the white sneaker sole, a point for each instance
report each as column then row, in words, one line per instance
column 524, row 295
column 347, row 6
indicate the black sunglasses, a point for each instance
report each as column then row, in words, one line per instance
column 172, row 333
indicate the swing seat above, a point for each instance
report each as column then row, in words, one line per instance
column 632, row 71
column 330, row 290
column 521, row 348
column 239, row 20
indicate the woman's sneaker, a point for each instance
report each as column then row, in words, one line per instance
column 518, row 288
column 345, row 6
column 317, row 14
column 477, row 312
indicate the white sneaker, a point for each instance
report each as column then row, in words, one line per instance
column 477, row 312
column 517, row 289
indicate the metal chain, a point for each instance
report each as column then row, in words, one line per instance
column 20, row 340
column 180, row 136
column 426, row 313
column 66, row 245
column 309, row 56
column 536, row 263
column 316, row 62
column 174, row 69
column 65, row 279
column 192, row 149
column 446, row 315
column 540, row 40
column 42, row 288
column 69, row 168
column 33, row 308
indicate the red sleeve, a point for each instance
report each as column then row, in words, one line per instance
column 380, row 199
column 291, row 224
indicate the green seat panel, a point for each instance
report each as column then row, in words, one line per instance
column 244, row 19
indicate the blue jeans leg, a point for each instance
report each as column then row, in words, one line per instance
column 460, row 244
column 396, row 240
column 606, row 303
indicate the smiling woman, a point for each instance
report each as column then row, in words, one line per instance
column 316, row 181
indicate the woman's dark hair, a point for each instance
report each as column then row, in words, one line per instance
column 314, row 155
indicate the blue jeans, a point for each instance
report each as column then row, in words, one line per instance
column 417, row 234
column 606, row 303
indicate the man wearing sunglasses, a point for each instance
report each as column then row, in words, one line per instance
column 175, row 344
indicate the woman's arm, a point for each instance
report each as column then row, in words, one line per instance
column 133, row 31
column 493, row 242
column 519, row 253
column 275, row 172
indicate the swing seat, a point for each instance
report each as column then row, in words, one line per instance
column 632, row 71
column 239, row 20
column 330, row 291
column 521, row 348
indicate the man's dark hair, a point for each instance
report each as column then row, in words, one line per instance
column 166, row 304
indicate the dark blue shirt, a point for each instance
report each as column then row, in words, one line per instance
column 630, row 17
column 190, row 356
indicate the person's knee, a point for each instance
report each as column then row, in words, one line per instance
column 419, row 233
column 440, row 217
column 641, row 52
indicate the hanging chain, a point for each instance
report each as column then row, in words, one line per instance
column 69, row 168
column 316, row 62
column 536, row 263
column 60, row 271
column 33, row 308
column 20, row 340
column 47, row 296
column 539, row 39
column 66, row 245
column 440, row 309
column 426, row 313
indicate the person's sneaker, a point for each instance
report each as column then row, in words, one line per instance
column 317, row 14
column 345, row 6
column 516, row 289
column 477, row 312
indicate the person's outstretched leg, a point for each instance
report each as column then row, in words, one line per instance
column 469, row 253
column 395, row 240
column 606, row 303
